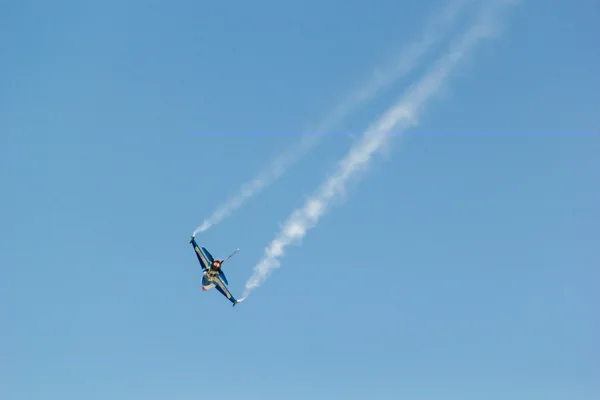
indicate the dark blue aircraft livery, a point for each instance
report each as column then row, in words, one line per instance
column 213, row 277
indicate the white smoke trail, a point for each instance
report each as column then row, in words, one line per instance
column 399, row 117
column 383, row 77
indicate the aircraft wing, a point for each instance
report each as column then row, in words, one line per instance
column 202, row 257
column 223, row 277
column 220, row 286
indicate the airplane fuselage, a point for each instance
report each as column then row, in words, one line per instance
column 213, row 277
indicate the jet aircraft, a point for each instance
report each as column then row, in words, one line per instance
column 213, row 276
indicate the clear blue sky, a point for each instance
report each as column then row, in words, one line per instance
column 462, row 267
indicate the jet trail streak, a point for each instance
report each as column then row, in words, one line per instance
column 407, row 60
column 399, row 117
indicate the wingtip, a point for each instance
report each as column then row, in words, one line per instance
column 238, row 301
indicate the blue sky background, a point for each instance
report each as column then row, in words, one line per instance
column 462, row 267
